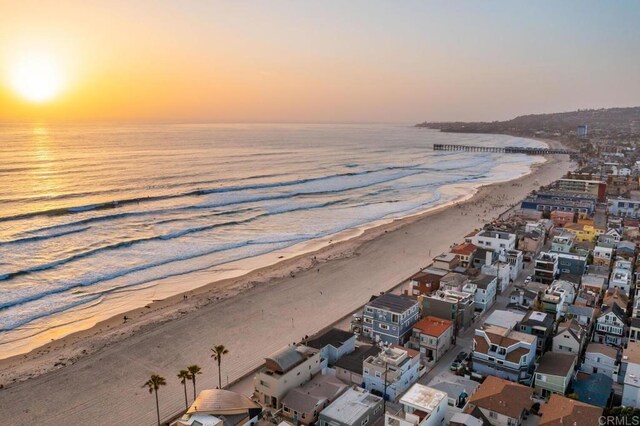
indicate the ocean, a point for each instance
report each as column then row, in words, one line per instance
column 96, row 220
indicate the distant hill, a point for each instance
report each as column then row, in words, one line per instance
column 623, row 123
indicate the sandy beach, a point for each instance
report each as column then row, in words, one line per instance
column 96, row 375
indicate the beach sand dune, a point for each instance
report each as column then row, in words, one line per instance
column 107, row 365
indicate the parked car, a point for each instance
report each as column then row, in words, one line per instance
column 461, row 356
column 527, row 280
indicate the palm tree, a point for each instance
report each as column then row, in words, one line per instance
column 184, row 375
column 153, row 384
column 193, row 370
column 218, row 352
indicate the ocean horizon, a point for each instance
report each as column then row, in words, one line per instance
column 96, row 219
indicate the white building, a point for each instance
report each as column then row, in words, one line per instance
column 355, row 407
column 494, row 240
column 284, row 370
column 399, row 366
column 485, row 294
column 557, row 298
column 421, row 406
column 621, row 276
column 515, row 258
column 599, row 358
column 569, row 338
column 603, row 254
column 500, row 270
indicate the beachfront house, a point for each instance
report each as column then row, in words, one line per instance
column 390, row 318
column 302, row 404
column 420, row 406
column 355, row 407
column 554, row 373
column 465, row 252
column 333, row 344
column 399, row 367
column 219, row 407
column 284, row 370
column 425, row 282
column 503, row 352
column 494, row 240
column 446, row 261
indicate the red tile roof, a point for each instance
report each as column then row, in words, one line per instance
column 464, row 249
column 433, row 326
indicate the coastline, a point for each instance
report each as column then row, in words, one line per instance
column 116, row 338
column 164, row 299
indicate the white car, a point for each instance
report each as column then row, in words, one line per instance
column 527, row 280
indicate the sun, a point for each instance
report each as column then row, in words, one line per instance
column 36, row 77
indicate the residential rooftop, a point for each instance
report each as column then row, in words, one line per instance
column 561, row 411
column 351, row 405
column 334, row 337
column 503, row 396
column 423, row 398
column 432, row 326
column 393, row 303
column 556, row 363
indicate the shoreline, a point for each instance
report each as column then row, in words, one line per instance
column 184, row 323
column 223, row 281
column 112, row 330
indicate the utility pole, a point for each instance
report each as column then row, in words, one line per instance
column 384, row 395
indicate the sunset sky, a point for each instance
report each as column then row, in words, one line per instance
column 321, row 61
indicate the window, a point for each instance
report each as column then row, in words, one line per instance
column 384, row 326
column 493, row 415
column 395, row 318
column 365, row 421
column 365, row 370
column 368, row 320
column 378, row 375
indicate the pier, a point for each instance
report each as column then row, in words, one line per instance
column 503, row 149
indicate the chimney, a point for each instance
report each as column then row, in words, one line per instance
column 489, row 258
column 521, row 297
